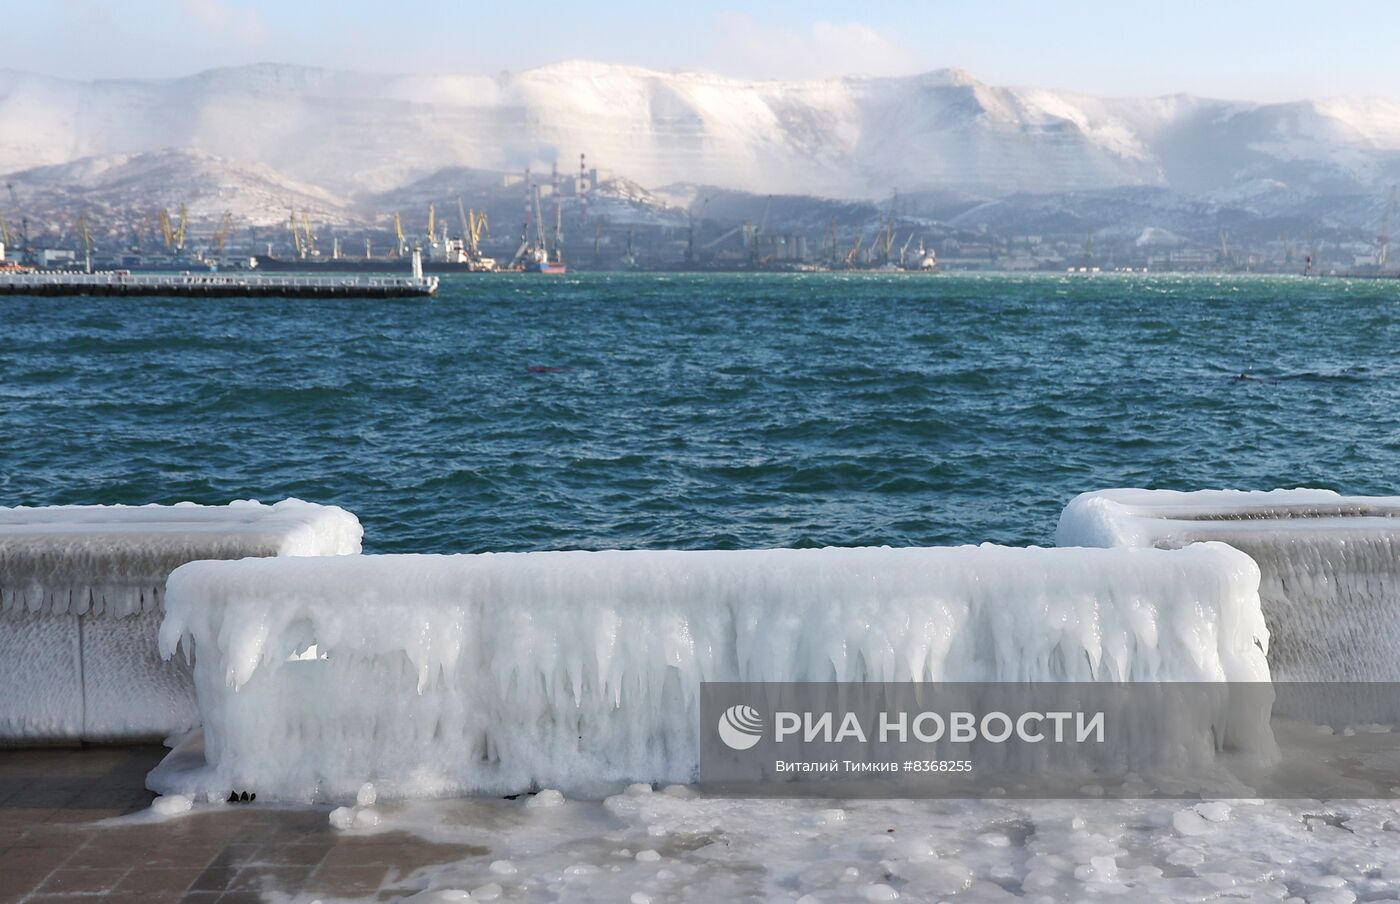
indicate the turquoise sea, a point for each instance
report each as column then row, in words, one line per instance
column 695, row 411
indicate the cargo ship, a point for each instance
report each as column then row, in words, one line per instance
column 535, row 254
column 539, row 261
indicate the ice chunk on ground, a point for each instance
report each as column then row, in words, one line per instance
column 80, row 594
column 723, row 849
column 171, row 805
column 504, row 673
column 1329, row 565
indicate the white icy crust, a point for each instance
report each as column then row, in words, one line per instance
column 491, row 673
column 1137, row 517
column 113, row 559
column 1329, row 565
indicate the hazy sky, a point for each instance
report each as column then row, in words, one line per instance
column 1259, row 49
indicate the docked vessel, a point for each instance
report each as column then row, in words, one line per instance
column 539, row 261
column 535, row 255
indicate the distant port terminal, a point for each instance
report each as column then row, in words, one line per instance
column 450, row 223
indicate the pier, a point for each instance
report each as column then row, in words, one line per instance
column 216, row 285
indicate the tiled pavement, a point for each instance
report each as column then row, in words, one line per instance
column 52, row 851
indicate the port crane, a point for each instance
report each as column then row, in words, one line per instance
column 307, row 235
column 539, row 219
column 690, row 234
column 221, row 236
column 855, row 249
column 173, row 232
column 180, row 230
column 762, row 228
column 477, row 227
column 86, row 236
column 887, row 242
column 399, row 236
column 26, row 253
column 5, row 231
column 303, row 238
column 1383, row 257
column 296, row 236
column 829, row 241
column 905, row 249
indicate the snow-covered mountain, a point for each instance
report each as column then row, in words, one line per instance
column 129, row 186
column 356, row 133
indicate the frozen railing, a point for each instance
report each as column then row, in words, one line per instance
column 1330, row 565
column 435, row 675
column 80, row 599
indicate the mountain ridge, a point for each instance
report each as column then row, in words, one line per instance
column 855, row 137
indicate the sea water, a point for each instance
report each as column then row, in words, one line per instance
column 521, row 412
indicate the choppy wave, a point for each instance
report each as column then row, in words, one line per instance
column 705, row 411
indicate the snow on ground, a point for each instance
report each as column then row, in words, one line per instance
column 672, row 845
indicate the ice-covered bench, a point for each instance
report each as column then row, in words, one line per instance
column 1330, row 565
column 80, row 598
column 435, row 675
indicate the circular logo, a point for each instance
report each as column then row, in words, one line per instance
column 740, row 727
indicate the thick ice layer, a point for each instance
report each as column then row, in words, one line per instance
column 498, row 673
column 80, row 591
column 1330, row 565
column 113, row 559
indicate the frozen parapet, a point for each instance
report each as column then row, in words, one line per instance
column 1329, row 565
column 511, row 672
column 114, row 559
column 80, row 598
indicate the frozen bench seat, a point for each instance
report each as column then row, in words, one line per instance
column 1330, row 565
column 439, row 675
column 80, row 599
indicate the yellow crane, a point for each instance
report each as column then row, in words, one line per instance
column 297, row 243
column 307, row 236
column 180, row 229
column 221, row 236
column 398, row 234
column 477, row 227
column 167, row 231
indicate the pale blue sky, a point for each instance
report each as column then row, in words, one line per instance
column 1256, row 49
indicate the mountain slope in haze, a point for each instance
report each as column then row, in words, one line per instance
column 129, row 186
column 357, row 133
